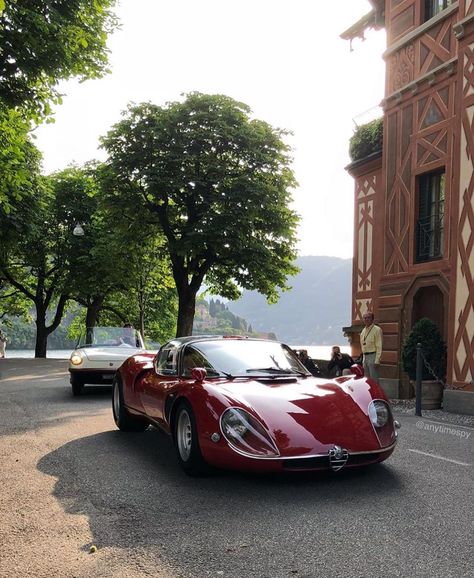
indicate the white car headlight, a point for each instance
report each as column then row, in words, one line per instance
column 379, row 412
column 246, row 434
column 76, row 358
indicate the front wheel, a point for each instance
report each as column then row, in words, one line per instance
column 77, row 385
column 186, row 441
column 123, row 419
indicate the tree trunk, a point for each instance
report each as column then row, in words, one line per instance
column 186, row 311
column 142, row 324
column 41, row 344
column 92, row 315
column 141, row 309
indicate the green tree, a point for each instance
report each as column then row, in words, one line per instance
column 146, row 294
column 153, row 290
column 218, row 183
column 19, row 162
column 117, row 270
column 33, row 262
column 212, row 308
column 13, row 302
column 96, row 261
column 44, row 41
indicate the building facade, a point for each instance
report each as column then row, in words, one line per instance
column 414, row 202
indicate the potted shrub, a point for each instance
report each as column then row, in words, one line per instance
column 425, row 332
column 367, row 140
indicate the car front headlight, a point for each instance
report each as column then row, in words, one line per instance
column 379, row 412
column 76, row 358
column 246, row 435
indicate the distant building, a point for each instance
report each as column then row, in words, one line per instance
column 414, row 198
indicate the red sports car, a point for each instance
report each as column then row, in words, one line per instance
column 249, row 404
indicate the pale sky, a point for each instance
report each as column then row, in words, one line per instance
column 283, row 58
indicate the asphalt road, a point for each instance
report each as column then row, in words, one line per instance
column 70, row 480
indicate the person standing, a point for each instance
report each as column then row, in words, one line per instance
column 3, row 344
column 371, row 343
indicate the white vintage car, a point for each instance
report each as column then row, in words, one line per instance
column 100, row 351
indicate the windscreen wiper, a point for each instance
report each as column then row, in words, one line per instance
column 276, row 370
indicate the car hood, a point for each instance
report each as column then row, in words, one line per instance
column 311, row 415
column 109, row 353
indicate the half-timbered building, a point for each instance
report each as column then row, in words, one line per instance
column 414, row 199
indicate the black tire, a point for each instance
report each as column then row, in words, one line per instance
column 77, row 385
column 123, row 419
column 186, row 441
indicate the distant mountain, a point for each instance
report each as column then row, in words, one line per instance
column 313, row 312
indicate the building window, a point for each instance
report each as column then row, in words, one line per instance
column 430, row 217
column 432, row 7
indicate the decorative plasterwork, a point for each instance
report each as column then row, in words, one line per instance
column 423, row 56
column 425, row 27
column 361, row 306
column 463, row 362
column 365, row 200
column 448, row 67
column 365, row 248
column 402, row 67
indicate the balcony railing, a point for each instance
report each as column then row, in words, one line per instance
column 367, row 116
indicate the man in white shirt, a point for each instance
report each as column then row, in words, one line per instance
column 3, row 344
column 371, row 345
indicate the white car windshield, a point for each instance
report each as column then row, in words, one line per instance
column 245, row 358
column 111, row 337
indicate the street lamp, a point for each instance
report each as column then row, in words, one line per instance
column 78, row 230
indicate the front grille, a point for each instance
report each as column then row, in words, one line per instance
column 315, row 463
column 359, row 459
column 323, row 462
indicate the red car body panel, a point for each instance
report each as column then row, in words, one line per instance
column 305, row 416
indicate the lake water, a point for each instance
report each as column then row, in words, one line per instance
column 30, row 353
column 314, row 351
column 321, row 351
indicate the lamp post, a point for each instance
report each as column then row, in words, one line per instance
column 419, row 377
column 78, row 230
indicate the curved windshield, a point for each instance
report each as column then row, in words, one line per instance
column 111, row 337
column 246, row 358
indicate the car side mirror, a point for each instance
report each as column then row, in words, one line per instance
column 198, row 373
column 357, row 370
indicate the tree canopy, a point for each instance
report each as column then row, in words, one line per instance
column 19, row 159
column 218, row 183
column 113, row 269
column 44, row 41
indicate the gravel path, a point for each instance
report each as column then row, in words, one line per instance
column 407, row 407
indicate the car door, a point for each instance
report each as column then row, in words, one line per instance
column 155, row 386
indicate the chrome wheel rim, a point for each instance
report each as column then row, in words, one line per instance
column 116, row 400
column 184, row 436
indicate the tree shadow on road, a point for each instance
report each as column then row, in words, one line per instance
column 135, row 495
column 33, row 401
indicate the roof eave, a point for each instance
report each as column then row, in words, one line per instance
column 374, row 19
